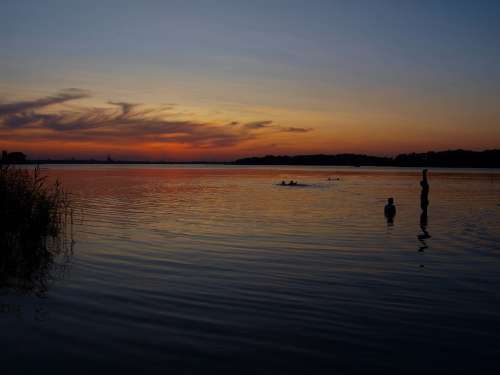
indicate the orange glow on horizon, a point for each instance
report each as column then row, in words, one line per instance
column 53, row 127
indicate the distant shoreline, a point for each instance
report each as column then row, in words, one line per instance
column 441, row 159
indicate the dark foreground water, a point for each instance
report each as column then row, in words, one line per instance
column 218, row 270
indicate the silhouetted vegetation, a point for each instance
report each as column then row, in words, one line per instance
column 446, row 159
column 320, row 159
column 453, row 159
column 35, row 216
column 13, row 157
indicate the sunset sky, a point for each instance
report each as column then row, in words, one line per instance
column 218, row 80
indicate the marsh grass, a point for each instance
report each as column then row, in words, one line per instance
column 35, row 227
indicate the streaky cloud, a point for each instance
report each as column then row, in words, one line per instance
column 131, row 123
column 29, row 105
column 125, row 106
column 293, row 129
column 258, row 124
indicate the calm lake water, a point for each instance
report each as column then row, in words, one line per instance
column 200, row 269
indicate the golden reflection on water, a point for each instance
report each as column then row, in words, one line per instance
column 186, row 268
column 148, row 203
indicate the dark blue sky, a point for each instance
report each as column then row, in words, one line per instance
column 344, row 68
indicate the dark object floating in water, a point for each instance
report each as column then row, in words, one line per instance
column 390, row 211
column 295, row 185
column 291, row 184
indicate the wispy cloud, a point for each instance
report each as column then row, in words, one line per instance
column 29, row 105
column 293, row 129
column 125, row 107
column 268, row 124
column 125, row 123
column 258, row 124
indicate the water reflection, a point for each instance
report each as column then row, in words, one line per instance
column 425, row 234
column 189, row 270
column 30, row 264
column 424, row 204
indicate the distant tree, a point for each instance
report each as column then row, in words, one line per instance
column 15, row 158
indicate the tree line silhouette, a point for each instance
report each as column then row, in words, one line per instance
column 448, row 159
column 451, row 158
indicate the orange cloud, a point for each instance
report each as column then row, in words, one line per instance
column 127, row 128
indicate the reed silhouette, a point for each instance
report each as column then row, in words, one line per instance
column 35, row 228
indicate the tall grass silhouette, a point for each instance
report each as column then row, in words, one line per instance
column 35, row 227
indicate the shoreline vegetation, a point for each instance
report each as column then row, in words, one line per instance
column 446, row 159
column 35, row 223
column 443, row 159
